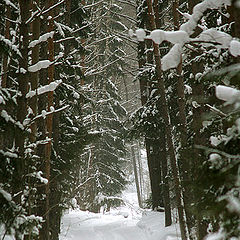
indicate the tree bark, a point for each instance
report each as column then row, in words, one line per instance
column 35, row 75
column 49, row 119
column 23, row 80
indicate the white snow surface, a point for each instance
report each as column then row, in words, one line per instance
column 39, row 65
column 158, row 36
column 80, row 225
column 141, row 34
column 173, row 58
column 42, row 38
column 43, row 89
column 215, row 36
column 6, row 195
column 235, row 48
column 124, row 223
column 9, row 3
column 226, row 93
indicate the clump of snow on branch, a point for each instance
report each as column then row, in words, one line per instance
column 42, row 38
column 9, row 154
column 141, row 34
column 46, row 88
column 39, row 176
column 234, row 48
column 227, row 94
column 9, row 3
column 6, row 195
column 39, row 65
column 222, row 39
column 173, row 58
column 175, row 37
column 10, row 45
column 8, row 118
column 198, row 12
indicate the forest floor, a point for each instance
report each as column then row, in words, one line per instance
column 124, row 223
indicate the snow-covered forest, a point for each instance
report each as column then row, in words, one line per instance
column 102, row 99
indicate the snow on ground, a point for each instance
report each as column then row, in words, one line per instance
column 124, row 223
column 79, row 225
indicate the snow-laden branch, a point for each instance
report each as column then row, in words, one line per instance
column 10, row 45
column 9, row 154
column 39, row 11
column 198, row 12
column 42, row 38
column 228, row 94
column 6, row 195
column 52, row 7
column 182, row 36
column 39, row 176
column 9, row 3
column 43, row 89
column 8, row 118
column 44, row 113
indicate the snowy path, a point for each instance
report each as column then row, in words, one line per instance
column 79, row 225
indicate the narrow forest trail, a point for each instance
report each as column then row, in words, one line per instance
column 123, row 223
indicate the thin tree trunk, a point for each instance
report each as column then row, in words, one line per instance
column 23, row 80
column 139, row 160
column 49, row 119
column 199, row 138
column 55, row 188
column 35, row 75
column 166, row 196
column 162, row 141
column 5, row 56
column 168, row 126
column 134, row 162
column 183, row 151
column 153, row 154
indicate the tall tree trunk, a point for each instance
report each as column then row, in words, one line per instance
column 55, row 188
column 199, row 138
column 153, row 157
column 162, row 139
column 171, row 150
column 23, row 80
column 183, row 160
column 49, row 119
column 35, row 75
column 42, row 206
